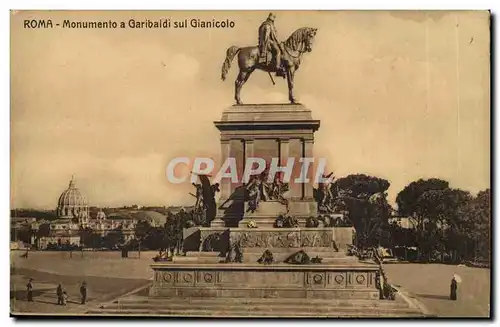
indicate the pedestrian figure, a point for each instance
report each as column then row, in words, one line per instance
column 59, row 293
column 83, row 292
column 453, row 288
column 65, row 298
column 29, row 289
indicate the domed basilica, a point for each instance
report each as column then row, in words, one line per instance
column 73, row 205
column 73, row 214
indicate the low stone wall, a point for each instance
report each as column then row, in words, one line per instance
column 261, row 281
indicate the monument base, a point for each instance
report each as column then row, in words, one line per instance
column 265, row 281
column 204, row 273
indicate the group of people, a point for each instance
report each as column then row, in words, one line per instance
column 62, row 295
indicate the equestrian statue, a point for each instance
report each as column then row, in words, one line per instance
column 271, row 56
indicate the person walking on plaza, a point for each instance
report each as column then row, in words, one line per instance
column 29, row 289
column 59, row 293
column 83, row 292
column 454, row 287
column 65, row 298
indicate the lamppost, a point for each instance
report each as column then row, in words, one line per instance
column 35, row 227
column 68, row 230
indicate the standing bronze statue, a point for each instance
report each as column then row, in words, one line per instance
column 205, row 199
column 270, row 55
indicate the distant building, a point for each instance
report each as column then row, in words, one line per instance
column 73, row 215
column 412, row 223
column 72, row 212
column 73, row 205
column 102, row 225
column 21, row 222
column 176, row 209
column 403, row 222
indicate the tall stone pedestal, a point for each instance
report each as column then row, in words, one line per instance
column 266, row 131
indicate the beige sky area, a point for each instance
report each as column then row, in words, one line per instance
column 400, row 95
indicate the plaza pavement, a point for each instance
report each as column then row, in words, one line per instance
column 108, row 276
column 430, row 284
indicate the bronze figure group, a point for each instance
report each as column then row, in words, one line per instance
column 260, row 189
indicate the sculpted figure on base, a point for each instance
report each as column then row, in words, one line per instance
column 205, row 207
column 254, row 193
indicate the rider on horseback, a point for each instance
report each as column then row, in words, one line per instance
column 268, row 40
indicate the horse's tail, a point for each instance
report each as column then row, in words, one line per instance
column 230, row 53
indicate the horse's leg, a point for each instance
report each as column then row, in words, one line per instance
column 238, row 83
column 240, row 80
column 289, row 79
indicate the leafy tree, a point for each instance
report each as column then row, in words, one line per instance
column 445, row 226
column 38, row 214
column 155, row 238
column 142, row 230
column 23, row 235
column 174, row 230
column 419, row 201
column 447, row 220
column 480, row 214
column 364, row 198
column 472, row 229
column 114, row 238
column 89, row 238
column 43, row 230
column 408, row 197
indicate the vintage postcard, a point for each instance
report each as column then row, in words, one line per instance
column 250, row 164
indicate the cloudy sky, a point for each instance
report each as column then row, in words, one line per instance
column 400, row 95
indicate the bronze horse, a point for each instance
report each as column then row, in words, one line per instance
column 294, row 47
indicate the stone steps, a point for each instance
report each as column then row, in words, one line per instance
column 257, row 308
column 257, row 302
column 243, row 312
